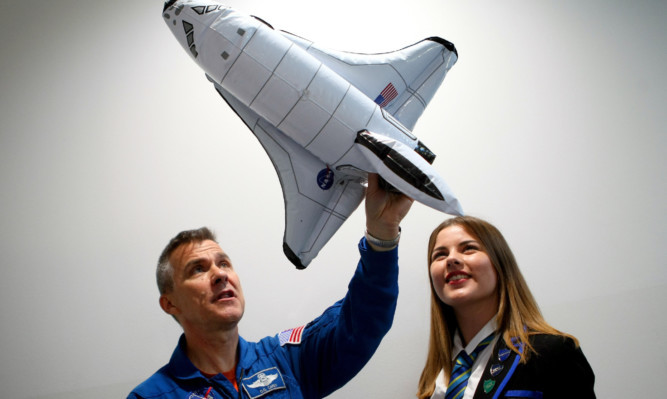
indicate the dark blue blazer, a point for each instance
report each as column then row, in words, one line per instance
column 558, row 370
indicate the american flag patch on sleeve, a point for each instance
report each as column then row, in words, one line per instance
column 291, row 336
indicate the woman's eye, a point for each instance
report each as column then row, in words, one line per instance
column 470, row 248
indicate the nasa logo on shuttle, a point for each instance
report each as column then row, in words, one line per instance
column 325, row 178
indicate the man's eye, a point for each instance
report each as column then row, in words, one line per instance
column 197, row 269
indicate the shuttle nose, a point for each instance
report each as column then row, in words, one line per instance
column 167, row 4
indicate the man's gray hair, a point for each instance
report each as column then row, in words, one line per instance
column 165, row 271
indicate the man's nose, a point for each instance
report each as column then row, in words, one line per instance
column 219, row 275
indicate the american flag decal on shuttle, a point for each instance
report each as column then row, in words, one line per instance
column 387, row 94
column 291, row 336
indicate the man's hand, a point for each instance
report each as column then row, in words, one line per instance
column 384, row 210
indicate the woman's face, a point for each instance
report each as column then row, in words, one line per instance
column 462, row 273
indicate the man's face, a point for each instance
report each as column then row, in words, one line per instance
column 207, row 292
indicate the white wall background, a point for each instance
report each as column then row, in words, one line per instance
column 551, row 125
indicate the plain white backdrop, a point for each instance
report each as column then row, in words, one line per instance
column 551, row 125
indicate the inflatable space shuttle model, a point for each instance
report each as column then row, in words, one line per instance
column 325, row 118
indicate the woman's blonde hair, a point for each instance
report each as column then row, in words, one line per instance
column 518, row 315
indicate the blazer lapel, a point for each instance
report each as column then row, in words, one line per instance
column 498, row 371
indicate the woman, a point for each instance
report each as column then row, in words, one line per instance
column 479, row 298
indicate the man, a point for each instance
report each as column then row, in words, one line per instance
column 199, row 287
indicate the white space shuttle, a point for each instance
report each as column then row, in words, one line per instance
column 326, row 118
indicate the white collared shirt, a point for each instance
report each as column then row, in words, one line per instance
column 478, row 365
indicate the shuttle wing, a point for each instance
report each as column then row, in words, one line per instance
column 316, row 204
column 402, row 82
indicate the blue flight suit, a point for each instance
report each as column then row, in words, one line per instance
column 332, row 348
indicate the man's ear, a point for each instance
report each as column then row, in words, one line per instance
column 167, row 305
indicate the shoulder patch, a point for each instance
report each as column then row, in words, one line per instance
column 291, row 336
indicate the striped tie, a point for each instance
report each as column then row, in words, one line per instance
column 459, row 379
